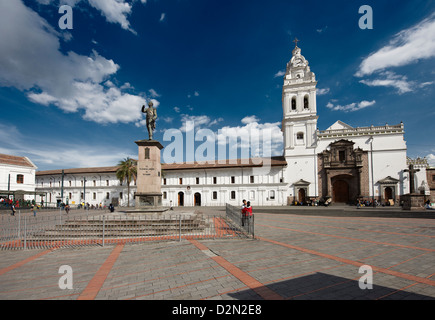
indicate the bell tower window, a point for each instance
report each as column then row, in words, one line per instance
column 293, row 103
column 306, row 103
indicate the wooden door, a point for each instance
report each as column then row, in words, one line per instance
column 388, row 193
column 340, row 191
column 301, row 195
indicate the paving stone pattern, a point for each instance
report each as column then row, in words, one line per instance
column 295, row 256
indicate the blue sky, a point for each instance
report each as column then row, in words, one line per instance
column 72, row 98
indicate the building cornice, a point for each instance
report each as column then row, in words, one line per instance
column 363, row 131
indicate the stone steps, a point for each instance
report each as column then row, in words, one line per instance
column 74, row 229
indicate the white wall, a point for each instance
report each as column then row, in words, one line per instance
column 13, row 171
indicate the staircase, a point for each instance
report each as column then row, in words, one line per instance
column 122, row 228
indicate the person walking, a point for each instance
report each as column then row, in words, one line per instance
column 248, row 215
column 243, row 212
column 13, row 209
column 33, row 208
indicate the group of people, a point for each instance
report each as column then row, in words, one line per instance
column 88, row 206
column 9, row 202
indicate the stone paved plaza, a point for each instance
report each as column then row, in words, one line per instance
column 297, row 254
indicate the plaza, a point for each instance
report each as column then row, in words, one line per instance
column 297, row 254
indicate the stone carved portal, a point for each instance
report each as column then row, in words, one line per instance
column 343, row 172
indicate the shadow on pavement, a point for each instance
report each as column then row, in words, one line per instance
column 321, row 286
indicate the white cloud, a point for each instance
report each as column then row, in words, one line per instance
column 153, row 93
column 216, row 121
column 321, row 30
column 261, row 139
column 408, row 46
column 168, row 119
column 321, row 92
column 250, row 119
column 279, row 73
column 115, row 11
column 390, row 79
column 190, row 123
column 162, row 17
column 72, row 82
column 431, row 159
column 177, row 109
column 196, row 94
column 352, row 107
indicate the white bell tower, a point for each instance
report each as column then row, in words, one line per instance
column 299, row 123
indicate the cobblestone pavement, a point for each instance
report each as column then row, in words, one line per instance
column 297, row 255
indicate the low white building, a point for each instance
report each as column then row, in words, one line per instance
column 17, row 177
column 342, row 163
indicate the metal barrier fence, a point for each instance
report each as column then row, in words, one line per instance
column 245, row 223
column 28, row 232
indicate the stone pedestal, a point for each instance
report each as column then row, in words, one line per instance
column 149, row 171
column 413, row 201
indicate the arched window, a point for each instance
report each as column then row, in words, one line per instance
column 294, row 103
column 306, row 103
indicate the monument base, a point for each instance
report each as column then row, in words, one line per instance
column 413, row 201
column 147, row 200
column 150, row 203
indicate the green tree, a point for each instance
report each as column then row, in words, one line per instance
column 127, row 171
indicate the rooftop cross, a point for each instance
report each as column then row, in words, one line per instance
column 296, row 41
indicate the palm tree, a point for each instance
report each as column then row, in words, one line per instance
column 127, row 171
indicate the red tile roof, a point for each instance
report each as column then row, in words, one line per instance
column 15, row 161
column 257, row 162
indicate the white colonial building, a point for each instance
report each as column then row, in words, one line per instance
column 342, row 163
column 17, row 177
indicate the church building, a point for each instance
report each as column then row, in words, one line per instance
column 343, row 163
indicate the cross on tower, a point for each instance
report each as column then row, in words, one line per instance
column 412, row 173
column 296, row 41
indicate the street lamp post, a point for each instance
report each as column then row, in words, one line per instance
column 373, row 181
column 61, row 189
column 84, row 190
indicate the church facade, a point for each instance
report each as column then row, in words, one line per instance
column 342, row 163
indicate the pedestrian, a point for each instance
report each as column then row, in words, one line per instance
column 248, row 214
column 67, row 207
column 13, row 209
column 33, row 208
column 111, row 208
column 243, row 212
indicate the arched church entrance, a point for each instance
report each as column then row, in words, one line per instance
column 197, row 199
column 181, row 199
column 340, row 191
